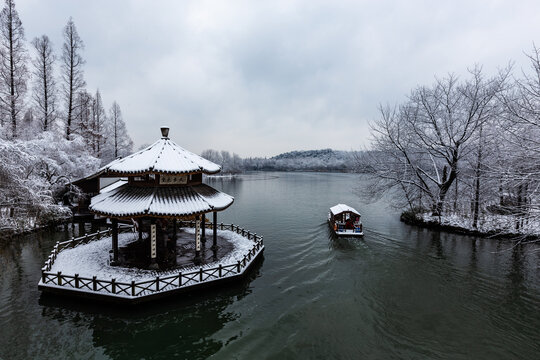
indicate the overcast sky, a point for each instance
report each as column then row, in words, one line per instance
column 263, row 77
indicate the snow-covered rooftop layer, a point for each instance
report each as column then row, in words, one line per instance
column 163, row 156
column 91, row 259
column 159, row 201
column 339, row 208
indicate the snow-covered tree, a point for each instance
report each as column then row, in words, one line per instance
column 72, row 71
column 83, row 119
column 13, row 68
column 99, row 122
column 425, row 140
column 44, row 94
column 34, row 174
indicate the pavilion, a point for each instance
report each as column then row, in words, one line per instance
column 160, row 185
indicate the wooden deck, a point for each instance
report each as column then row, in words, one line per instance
column 170, row 282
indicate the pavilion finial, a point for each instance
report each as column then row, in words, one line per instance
column 165, row 132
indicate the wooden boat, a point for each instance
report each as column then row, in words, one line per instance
column 345, row 221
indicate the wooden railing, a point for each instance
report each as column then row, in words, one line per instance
column 158, row 284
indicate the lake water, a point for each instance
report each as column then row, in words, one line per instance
column 399, row 293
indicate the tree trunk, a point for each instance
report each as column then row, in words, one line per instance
column 477, row 182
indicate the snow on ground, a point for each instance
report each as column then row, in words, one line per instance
column 487, row 223
column 92, row 259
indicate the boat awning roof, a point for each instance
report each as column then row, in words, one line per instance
column 340, row 208
column 130, row 201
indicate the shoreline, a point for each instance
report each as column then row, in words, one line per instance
column 414, row 220
column 11, row 233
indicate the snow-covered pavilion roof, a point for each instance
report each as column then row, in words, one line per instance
column 131, row 201
column 163, row 156
column 340, row 208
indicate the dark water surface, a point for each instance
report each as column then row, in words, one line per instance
column 398, row 293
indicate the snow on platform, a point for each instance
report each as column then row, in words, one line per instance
column 92, row 259
column 80, row 267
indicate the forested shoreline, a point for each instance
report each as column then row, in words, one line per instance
column 299, row 160
column 464, row 153
column 53, row 129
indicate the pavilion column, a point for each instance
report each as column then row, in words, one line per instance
column 115, row 241
column 203, row 224
column 197, row 238
column 139, row 222
column 153, row 244
column 175, row 230
column 214, row 232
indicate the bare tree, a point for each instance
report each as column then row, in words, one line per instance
column 424, row 140
column 44, row 95
column 99, row 119
column 83, row 118
column 13, row 70
column 120, row 142
column 521, row 164
column 72, row 71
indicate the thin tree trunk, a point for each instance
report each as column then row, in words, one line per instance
column 12, row 77
column 477, row 182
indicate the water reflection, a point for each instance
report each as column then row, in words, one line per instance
column 436, row 244
column 159, row 329
column 516, row 276
column 401, row 292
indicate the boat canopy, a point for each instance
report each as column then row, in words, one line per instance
column 341, row 208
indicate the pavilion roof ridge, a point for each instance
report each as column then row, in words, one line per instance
column 163, row 156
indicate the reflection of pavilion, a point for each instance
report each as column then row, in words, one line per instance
column 159, row 190
column 183, row 326
column 164, row 185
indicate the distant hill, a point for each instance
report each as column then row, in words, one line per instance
column 305, row 160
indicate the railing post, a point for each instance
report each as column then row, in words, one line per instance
column 220, row 270
column 157, row 283
column 249, row 235
column 76, row 281
column 94, row 283
column 113, row 286
column 200, row 275
column 221, row 226
column 132, row 287
column 43, row 276
column 179, row 279
column 238, row 267
column 59, row 278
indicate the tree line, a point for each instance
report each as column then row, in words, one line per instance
column 53, row 130
column 308, row 160
column 464, row 147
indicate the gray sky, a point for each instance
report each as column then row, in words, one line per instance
column 263, row 77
